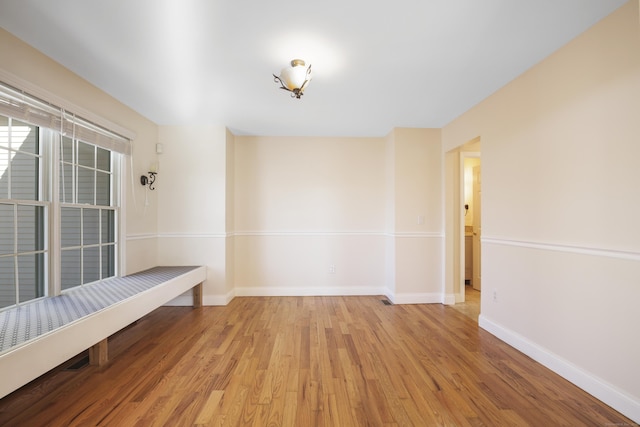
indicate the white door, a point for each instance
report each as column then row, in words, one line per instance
column 477, row 229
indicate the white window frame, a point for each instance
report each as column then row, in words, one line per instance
column 57, row 206
column 41, row 201
column 90, row 124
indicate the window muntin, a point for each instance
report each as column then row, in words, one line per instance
column 85, row 208
column 87, row 214
column 88, row 244
column 85, row 174
column 20, row 160
column 23, row 214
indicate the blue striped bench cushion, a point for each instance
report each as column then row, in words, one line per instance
column 31, row 320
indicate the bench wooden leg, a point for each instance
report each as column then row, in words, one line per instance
column 197, row 296
column 99, row 353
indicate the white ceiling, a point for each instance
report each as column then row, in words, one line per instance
column 377, row 64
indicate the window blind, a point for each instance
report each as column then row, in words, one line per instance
column 19, row 105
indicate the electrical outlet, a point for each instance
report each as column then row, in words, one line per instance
column 332, row 269
column 495, row 295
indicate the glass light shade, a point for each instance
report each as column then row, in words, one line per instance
column 293, row 77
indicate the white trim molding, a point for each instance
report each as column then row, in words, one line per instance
column 420, row 234
column 194, row 236
column 295, row 291
column 132, row 237
column 332, row 233
column 417, row 298
column 575, row 249
column 287, row 233
column 211, row 300
column 305, row 233
column 450, row 299
column 186, row 300
column 593, row 385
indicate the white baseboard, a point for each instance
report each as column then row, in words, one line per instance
column 617, row 399
column 273, row 291
column 218, row 299
column 449, row 299
column 207, row 300
column 418, row 298
column 257, row 291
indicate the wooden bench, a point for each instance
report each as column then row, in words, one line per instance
column 40, row 335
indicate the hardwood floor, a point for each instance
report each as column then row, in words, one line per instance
column 306, row 361
column 471, row 305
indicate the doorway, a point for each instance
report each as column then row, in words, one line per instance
column 459, row 229
column 472, row 191
column 471, row 223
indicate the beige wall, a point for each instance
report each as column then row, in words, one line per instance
column 303, row 216
column 339, row 216
column 561, row 249
column 309, row 184
column 416, row 227
column 192, row 204
column 309, row 215
column 272, row 215
column 34, row 72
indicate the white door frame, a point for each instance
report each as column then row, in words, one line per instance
column 460, row 291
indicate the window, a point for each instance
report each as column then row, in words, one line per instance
column 87, row 214
column 23, row 213
column 59, row 201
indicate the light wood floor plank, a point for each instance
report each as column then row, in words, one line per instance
column 306, row 361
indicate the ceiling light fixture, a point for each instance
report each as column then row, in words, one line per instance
column 294, row 78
